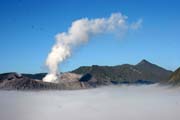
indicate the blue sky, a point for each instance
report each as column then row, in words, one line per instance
column 28, row 27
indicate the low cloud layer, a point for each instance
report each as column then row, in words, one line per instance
column 80, row 32
column 150, row 102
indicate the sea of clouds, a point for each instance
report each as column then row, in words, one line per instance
column 148, row 102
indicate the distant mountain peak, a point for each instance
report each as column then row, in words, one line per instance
column 144, row 61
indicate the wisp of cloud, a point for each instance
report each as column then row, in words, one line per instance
column 80, row 32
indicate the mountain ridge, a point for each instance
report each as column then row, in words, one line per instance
column 143, row 72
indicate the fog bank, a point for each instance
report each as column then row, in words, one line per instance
column 149, row 102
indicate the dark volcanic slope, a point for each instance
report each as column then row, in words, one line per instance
column 175, row 77
column 126, row 73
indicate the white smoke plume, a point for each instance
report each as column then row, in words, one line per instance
column 81, row 31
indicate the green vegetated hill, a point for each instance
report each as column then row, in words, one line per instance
column 141, row 72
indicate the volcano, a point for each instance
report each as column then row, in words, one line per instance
column 89, row 77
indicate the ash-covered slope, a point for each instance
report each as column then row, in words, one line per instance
column 14, row 81
column 175, row 77
column 143, row 72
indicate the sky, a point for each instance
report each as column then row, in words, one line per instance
column 28, row 29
